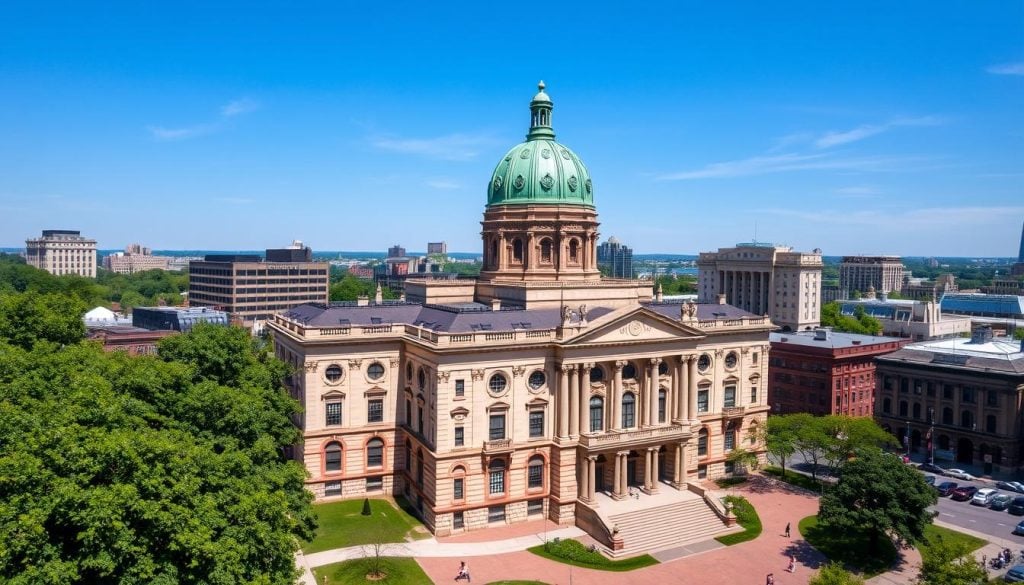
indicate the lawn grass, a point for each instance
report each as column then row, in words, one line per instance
column 793, row 478
column 933, row 533
column 397, row 570
column 746, row 516
column 849, row 548
column 342, row 525
column 573, row 552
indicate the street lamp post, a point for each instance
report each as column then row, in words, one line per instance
column 931, row 436
column 907, row 438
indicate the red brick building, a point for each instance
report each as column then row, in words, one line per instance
column 134, row 340
column 824, row 372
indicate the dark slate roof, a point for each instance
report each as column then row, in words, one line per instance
column 1000, row 356
column 469, row 317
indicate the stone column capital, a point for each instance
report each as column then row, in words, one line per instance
column 619, row 364
column 655, row 361
column 566, row 368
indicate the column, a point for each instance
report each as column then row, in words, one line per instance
column 684, row 400
column 616, row 405
column 655, row 469
column 563, row 402
column 585, row 398
column 618, row 483
column 648, row 483
column 681, row 476
column 502, row 253
column 652, row 393
column 584, row 488
column 591, row 478
column 691, row 382
column 574, row 399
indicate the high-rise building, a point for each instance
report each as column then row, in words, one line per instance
column 396, row 251
column 615, row 258
column 62, row 252
column 252, row 289
column 437, row 248
column 538, row 390
column 765, row 279
column 882, row 273
column 1018, row 266
column 135, row 258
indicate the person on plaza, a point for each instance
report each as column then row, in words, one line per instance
column 770, row 579
column 463, row 572
column 792, row 564
column 787, row 529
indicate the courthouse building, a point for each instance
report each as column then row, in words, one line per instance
column 540, row 389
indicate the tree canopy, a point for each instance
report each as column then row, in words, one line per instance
column 153, row 469
column 859, row 322
column 835, row 574
column 949, row 563
column 879, row 496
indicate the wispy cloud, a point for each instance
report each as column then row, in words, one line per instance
column 1006, row 68
column 235, row 200
column 861, row 191
column 443, row 184
column 834, row 138
column 229, row 110
column 917, row 218
column 762, row 165
column 239, row 107
column 163, row 134
column 454, row 147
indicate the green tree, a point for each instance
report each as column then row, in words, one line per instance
column 28, row 318
column 778, row 435
column 849, row 434
column 880, row 497
column 743, row 459
column 859, row 322
column 835, row 574
column 811, row 438
column 948, row 563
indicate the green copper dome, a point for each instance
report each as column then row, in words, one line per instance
column 540, row 170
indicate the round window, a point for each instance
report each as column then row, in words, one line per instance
column 537, row 379
column 730, row 360
column 704, row 362
column 629, row 372
column 596, row 374
column 663, row 368
column 375, row 371
column 497, row 383
column 334, row 373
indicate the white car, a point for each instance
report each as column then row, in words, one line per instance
column 959, row 474
column 983, row 497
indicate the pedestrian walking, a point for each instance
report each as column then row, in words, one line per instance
column 787, row 529
column 792, row 564
column 463, row 572
column 770, row 579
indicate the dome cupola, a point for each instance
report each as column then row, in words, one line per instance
column 540, row 170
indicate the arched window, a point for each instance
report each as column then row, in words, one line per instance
column 535, row 472
column 459, row 483
column 494, row 253
column 375, row 453
column 574, row 251
column 947, row 416
column 496, row 477
column 421, row 378
column 903, row 408
column 628, row 410
column 629, row 372
column 966, row 419
column 517, row 251
column 887, row 405
column 596, row 374
column 332, row 456
column 662, row 399
column 596, row 414
column 702, row 443
column 917, row 410
column 545, row 250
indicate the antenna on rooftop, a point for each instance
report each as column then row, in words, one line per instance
column 755, row 231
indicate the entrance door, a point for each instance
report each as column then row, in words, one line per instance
column 631, row 471
column 599, row 477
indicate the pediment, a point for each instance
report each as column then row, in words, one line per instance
column 332, row 395
column 459, row 413
column 638, row 324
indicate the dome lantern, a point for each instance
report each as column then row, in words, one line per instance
column 540, row 116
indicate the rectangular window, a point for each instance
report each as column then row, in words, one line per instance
column 628, row 414
column 730, row 467
column 460, row 387
column 702, row 445
column 662, row 398
column 419, row 418
column 333, row 413
column 754, row 357
column 460, row 437
column 497, row 482
column 408, row 413
column 967, row 394
column 534, row 507
column 374, row 484
column 730, row 396
column 458, row 490
column 496, row 514
column 596, row 418
column 535, row 476
column 375, row 411
column 458, row 521
column 993, row 398
column 702, row 400
column 702, row 472
column 332, row 488
column 375, row 453
column 947, row 392
column 497, row 428
column 753, row 395
column 536, row 423
column 730, row 440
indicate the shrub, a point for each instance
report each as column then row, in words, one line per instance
column 366, row 507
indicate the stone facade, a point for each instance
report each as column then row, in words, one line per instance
column 62, row 252
column 884, row 274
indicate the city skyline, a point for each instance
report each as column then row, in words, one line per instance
column 246, row 128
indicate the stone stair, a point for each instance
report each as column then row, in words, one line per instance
column 667, row 526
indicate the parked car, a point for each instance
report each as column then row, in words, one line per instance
column 1014, row 575
column 1007, row 485
column 929, row 479
column 1017, row 506
column 1014, row 486
column 1001, row 502
column 963, row 493
column 983, row 497
column 959, row 474
column 1020, row 528
column 945, row 488
column 932, row 468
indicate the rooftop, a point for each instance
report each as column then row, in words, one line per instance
column 833, row 340
column 982, row 352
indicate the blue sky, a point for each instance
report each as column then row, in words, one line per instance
column 869, row 127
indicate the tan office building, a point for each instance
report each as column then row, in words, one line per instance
column 135, row 258
column 62, row 252
column 884, row 274
column 765, row 279
column 539, row 390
